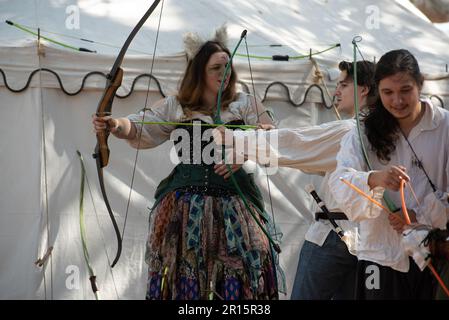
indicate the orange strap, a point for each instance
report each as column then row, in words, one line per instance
column 407, row 220
column 363, row 194
column 404, row 207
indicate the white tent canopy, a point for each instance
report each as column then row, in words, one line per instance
column 43, row 126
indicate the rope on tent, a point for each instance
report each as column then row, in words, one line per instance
column 162, row 93
column 305, row 95
column 439, row 99
column 319, row 77
column 245, row 87
column 30, row 77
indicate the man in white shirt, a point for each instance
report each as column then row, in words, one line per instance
column 327, row 265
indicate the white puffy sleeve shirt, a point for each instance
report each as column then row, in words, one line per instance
column 379, row 242
column 310, row 149
column 170, row 110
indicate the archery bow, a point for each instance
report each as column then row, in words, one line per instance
column 391, row 206
column 101, row 153
column 218, row 120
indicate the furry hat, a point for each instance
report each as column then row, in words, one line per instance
column 193, row 42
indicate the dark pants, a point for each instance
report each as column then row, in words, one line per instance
column 443, row 271
column 376, row 282
column 326, row 272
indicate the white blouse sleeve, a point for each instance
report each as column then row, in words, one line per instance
column 154, row 134
column 351, row 166
column 310, row 149
column 434, row 209
column 249, row 111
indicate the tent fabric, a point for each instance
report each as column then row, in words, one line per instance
column 44, row 127
column 48, row 174
column 297, row 25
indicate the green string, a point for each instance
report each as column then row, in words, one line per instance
column 304, row 56
column 217, row 119
column 387, row 200
column 46, row 38
column 243, row 126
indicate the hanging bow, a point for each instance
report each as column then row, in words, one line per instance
column 101, row 153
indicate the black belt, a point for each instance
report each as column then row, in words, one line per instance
column 332, row 215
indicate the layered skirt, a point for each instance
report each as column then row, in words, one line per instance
column 208, row 246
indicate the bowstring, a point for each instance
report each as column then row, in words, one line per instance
column 258, row 120
column 139, row 135
column 356, row 39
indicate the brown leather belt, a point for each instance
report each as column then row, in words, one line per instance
column 333, row 215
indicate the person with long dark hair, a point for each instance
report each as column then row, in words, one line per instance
column 405, row 138
column 203, row 242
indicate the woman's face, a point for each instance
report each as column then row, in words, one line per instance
column 215, row 69
column 400, row 96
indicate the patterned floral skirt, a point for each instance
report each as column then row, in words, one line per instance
column 207, row 247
